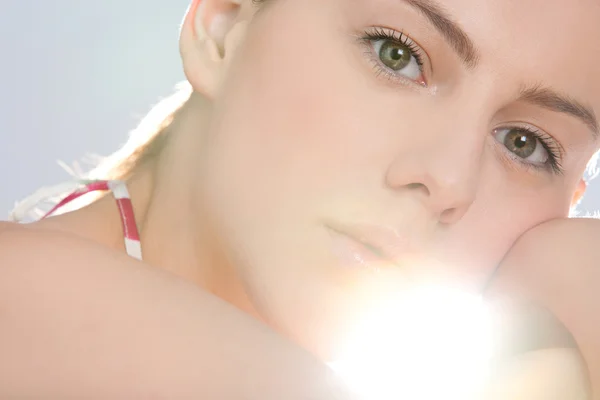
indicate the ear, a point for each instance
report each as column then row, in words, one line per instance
column 579, row 192
column 211, row 31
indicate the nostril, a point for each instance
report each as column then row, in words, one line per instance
column 418, row 187
column 449, row 215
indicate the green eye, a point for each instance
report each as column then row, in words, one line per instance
column 528, row 146
column 395, row 56
column 531, row 147
column 523, row 144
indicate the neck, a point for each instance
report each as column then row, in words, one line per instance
column 176, row 235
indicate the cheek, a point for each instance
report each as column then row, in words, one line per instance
column 275, row 141
column 307, row 101
column 501, row 213
column 289, row 116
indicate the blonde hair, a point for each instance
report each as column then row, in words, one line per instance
column 145, row 142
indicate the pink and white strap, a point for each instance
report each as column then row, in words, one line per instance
column 119, row 190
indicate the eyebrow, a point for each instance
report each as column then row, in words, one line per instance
column 554, row 101
column 466, row 49
column 450, row 30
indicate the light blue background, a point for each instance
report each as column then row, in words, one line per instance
column 77, row 75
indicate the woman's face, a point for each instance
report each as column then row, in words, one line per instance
column 435, row 133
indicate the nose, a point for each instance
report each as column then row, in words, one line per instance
column 444, row 171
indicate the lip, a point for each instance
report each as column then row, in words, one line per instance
column 384, row 243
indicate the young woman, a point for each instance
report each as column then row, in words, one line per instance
column 327, row 151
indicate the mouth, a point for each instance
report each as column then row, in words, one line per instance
column 371, row 246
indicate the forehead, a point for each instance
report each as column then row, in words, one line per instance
column 556, row 43
column 527, row 42
column 558, row 28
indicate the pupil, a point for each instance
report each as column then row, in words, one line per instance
column 521, row 142
column 397, row 54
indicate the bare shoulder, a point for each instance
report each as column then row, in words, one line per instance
column 57, row 257
column 79, row 319
column 28, row 243
column 556, row 263
column 557, row 257
column 563, row 235
column 557, row 251
column 556, row 266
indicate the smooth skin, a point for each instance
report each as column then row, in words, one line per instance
column 298, row 123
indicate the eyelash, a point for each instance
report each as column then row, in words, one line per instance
column 378, row 33
column 554, row 150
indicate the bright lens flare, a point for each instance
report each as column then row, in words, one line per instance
column 429, row 344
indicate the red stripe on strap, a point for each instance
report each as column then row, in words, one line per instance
column 128, row 224
column 130, row 229
column 92, row 187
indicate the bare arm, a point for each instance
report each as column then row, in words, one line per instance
column 77, row 321
column 556, row 266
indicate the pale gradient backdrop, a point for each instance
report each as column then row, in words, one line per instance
column 77, row 75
